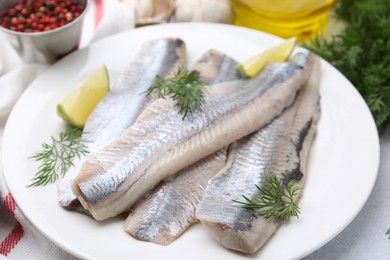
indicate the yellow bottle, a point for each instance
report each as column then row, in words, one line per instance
column 285, row 18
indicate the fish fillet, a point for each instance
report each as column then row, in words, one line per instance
column 160, row 142
column 170, row 208
column 215, row 67
column 282, row 147
column 123, row 103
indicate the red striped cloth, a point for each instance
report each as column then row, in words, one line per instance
column 18, row 238
column 98, row 13
column 16, row 234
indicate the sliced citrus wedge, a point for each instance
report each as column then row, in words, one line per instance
column 279, row 53
column 79, row 104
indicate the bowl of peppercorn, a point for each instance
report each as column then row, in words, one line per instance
column 42, row 30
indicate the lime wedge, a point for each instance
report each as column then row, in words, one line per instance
column 279, row 53
column 79, row 104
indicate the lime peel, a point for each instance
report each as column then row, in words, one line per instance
column 279, row 53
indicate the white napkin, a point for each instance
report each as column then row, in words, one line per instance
column 13, row 84
column 9, row 58
column 18, row 238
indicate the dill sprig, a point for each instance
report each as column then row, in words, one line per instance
column 57, row 156
column 361, row 53
column 275, row 200
column 185, row 88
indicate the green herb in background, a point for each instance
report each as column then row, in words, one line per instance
column 362, row 53
column 57, row 157
column 275, row 200
column 185, row 88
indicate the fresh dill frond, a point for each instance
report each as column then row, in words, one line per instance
column 56, row 157
column 361, row 53
column 185, row 88
column 275, row 200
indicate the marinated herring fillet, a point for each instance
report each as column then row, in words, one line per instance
column 160, row 142
column 123, row 103
column 281, row 148
column 215, row 67
column 170, row 208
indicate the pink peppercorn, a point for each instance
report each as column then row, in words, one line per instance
column 41, row 15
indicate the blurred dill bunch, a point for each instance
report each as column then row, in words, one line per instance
column 362, row 52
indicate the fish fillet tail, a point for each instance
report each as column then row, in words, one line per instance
column 237, row 240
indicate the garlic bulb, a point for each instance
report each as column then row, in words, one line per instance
column 150, row 11
column 217, row 11
column 141, row 8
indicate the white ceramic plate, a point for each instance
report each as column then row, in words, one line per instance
column 342, row 169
